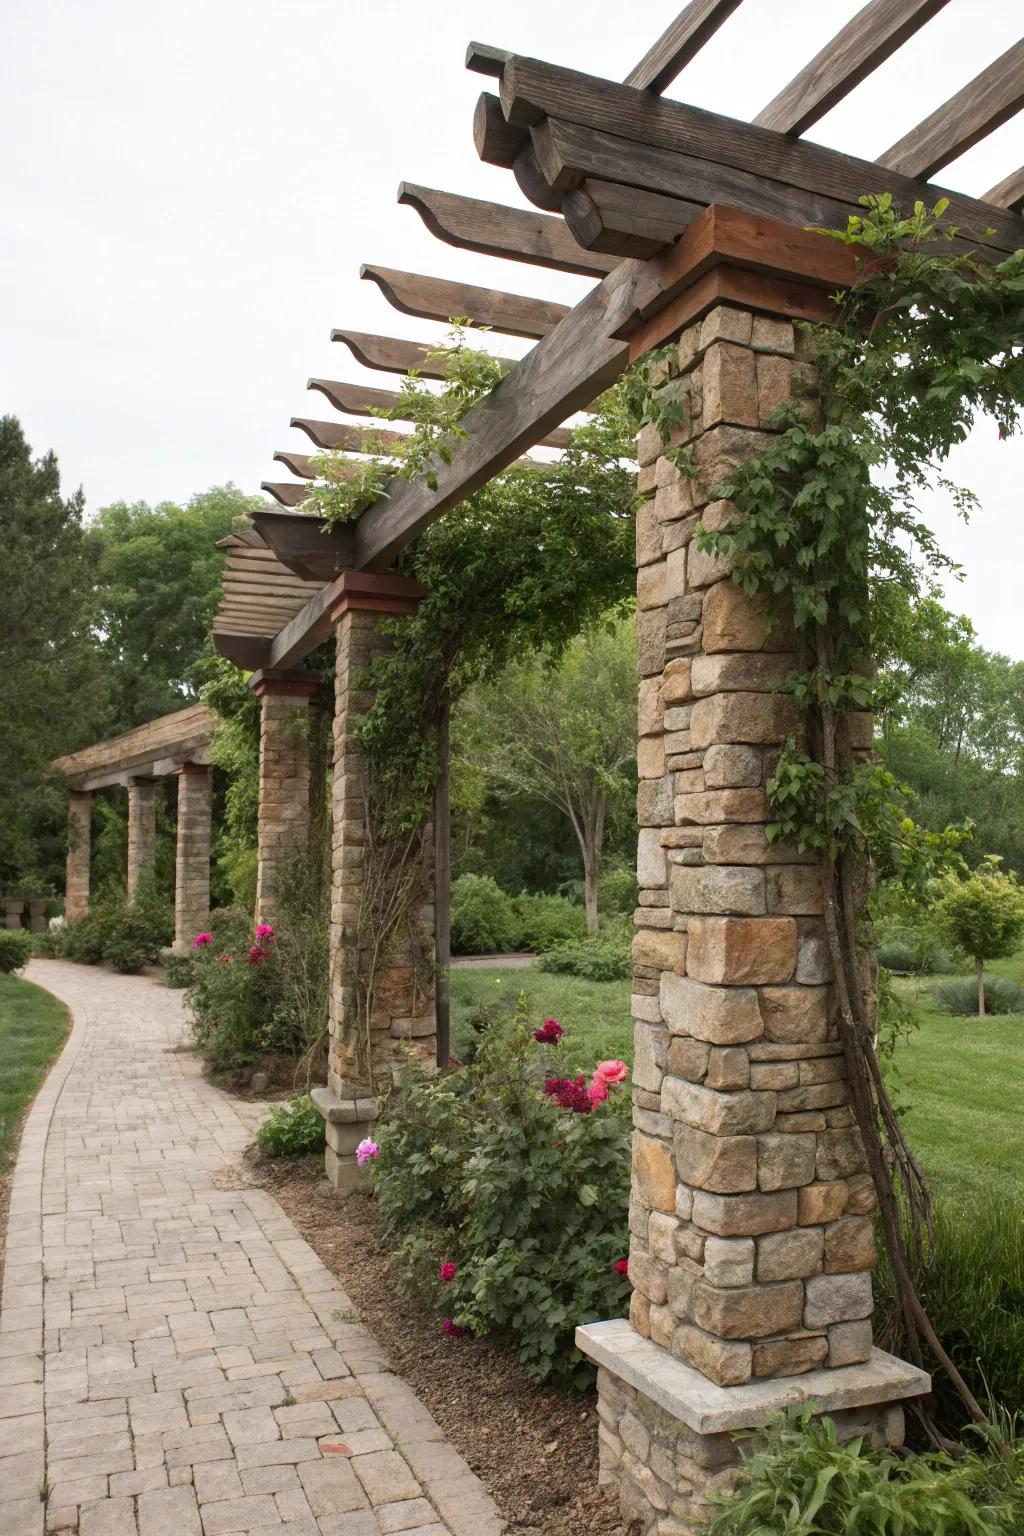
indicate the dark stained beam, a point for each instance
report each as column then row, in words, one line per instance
column 388, row 354
column 984, row 104
column 340, row 395
column 435, row 298
column 485, row 60
column 497, row 142
column 615, row 218
column 680, row 42
column 299, row 463
column 286, row 492
column 532, row 91
column 310, row 626
column 866, row 41
column 514, row 233
column 1008, row 193
column 340, row 434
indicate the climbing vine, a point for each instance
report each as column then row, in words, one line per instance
column 827, row 530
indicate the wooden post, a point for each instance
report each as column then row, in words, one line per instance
column 443, row 884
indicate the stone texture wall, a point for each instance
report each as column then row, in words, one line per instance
column 192, row 865
column 284, row 781
column 141, row 830
column 666, row 1474
column 751, row 1242
column 76, row 896
column 402, row 1017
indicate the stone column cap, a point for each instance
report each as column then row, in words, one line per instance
column 196, row 768
column 296, row 683
column 375, row 592
column 141, row 781
column 709, row 1409
column 343, row 1111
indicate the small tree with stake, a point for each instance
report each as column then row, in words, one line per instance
column 983, row 916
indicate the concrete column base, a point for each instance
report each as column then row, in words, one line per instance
column 666, row 1432
column 347, row 1122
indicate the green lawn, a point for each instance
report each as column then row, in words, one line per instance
column 33, row 1029
column 959, row 1081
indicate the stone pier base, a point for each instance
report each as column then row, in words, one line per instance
column 668, row 1436
column 347, row 1122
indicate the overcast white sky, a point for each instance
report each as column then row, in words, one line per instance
column 189, row 187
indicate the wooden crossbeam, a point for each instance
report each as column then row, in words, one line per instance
column 866, row 41
column 680, row 42
column 339, row 434
column 984, row 104
column 608, row 216
column 514, row 233
column 299, row 463
column 353, row 399
column 387, row 354
column 325, row 433
column 285, row 491
column 1008, row 193
column 435, row 298
column 532, row 92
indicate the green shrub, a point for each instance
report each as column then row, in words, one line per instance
column 15, row 950
column 239, row 870
column 47, row 944
column 548, row 920
column 905, row 957
column 973, row 1292
column 618, row 891
column 178, row 971
column 292, row 1130
column 961, row 997
column 897, row 957
column 484, row 917
column 607, row 957
column 800, row 1481
column 480, row 1168
column 128, row 934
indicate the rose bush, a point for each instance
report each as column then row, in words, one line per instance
column 510, row 1198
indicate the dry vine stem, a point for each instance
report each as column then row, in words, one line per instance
column 845, row 881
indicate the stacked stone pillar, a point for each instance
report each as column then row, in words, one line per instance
column 141, row 830
column 363, row 1051
column 192, row 864
column 283, row 832
column 76, row 895
column 751, row 1241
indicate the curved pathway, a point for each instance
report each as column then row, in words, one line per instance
column 174, row 1359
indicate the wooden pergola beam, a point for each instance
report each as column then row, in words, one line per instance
column 388, row 354
column 867, row 40
column 516, row 234
column 435, row 298
column 984, row 104
column 680, row 42
column 325, row 433
column 285, row 491
column 340, row 434
column 535, row 95
column 1008, row 193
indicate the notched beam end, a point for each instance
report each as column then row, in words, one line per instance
column 482, row 59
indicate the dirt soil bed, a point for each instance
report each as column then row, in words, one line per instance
column 534, row 1447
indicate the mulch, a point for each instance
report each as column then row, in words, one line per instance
column 534, row 1447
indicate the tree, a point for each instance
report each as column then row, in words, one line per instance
column 46, row 658
column 984, row 916
column 158, row 575
column 564, row 734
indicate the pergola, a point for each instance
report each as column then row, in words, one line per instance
column 751, row 1245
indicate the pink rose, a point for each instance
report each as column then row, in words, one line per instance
column 448, row 1273
column 611, row 1072
column 598, row 1090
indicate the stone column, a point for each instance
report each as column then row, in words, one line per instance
column 192, row 865
column 751, row 1243
column 76, row 894
column 141, row 830
column 284, row 778
column 402, row 1017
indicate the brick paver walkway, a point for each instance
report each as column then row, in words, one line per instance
column 174, row 1359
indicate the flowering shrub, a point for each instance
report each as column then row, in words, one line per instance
column 512, row 1207
column 127, row 934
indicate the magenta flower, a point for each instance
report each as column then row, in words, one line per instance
column 201, row 940
column 597, row 1092
column 569, row 1093
column 264, row 931
column 365, row 1150
column 452, row 1330
column 256, row 954
column 550, row 1033
column 622, row 1267
column 448, row 1273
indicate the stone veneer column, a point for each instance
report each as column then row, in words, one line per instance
column 76, row 892
column 284, row 778
column 141, row 830
column 192, row 865
column 751, row 1243
column 403, row 1017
